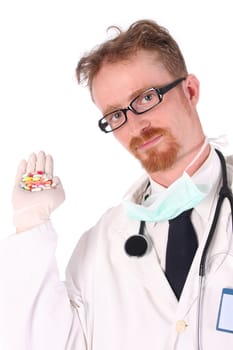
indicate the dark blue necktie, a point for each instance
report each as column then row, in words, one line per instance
column 181, row 247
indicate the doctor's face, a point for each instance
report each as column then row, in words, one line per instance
column 166, row 132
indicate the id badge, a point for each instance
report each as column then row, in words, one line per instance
column 225, row 313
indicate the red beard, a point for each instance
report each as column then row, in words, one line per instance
column 155, row 158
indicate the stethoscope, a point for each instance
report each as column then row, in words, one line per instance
column 138, row 245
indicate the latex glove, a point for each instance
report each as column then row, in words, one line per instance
column 34, row 208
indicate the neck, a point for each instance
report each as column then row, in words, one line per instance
column 167, row 177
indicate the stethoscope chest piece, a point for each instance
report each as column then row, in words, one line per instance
column 137, row 245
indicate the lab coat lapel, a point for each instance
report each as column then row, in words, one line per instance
column 215, row 257
column 147, row 268
column 155, row 281
column 148, row 272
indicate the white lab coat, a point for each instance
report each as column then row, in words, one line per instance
column 110, row 301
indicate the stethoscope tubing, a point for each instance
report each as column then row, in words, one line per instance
column 224, row 193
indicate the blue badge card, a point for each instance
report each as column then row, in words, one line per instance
column 225, row 313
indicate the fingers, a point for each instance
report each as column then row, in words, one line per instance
column 40, row 162
column 49, row 165
column 31, row 164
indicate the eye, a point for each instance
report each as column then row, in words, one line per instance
column 115, row 117
column 147, row 97
column 147, row 100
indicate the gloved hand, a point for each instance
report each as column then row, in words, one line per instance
column 34, row 208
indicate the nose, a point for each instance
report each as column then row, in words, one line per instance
column 136, row 123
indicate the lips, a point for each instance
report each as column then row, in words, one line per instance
column 151, row 142
column 147, row 138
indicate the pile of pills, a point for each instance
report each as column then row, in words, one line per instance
column 37, row 181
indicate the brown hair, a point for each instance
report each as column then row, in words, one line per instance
column 141, row 35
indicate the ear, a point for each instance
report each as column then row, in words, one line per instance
column 192, row 89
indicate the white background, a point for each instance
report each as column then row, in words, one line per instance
column 42, row 107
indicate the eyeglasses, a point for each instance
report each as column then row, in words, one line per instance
column 139, row 105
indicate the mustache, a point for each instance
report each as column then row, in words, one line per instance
column 145, row 136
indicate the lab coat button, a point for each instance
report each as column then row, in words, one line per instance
column 180, row 326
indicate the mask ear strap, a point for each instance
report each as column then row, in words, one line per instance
column 146, row 194
column 206, row 141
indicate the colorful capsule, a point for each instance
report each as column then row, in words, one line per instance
column 36, row 181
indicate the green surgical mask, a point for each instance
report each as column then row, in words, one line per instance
column 181, row 195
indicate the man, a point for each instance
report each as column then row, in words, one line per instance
column 123, row 288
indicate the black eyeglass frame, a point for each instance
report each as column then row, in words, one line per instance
column 160, row 92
